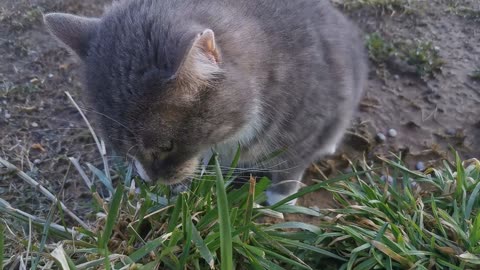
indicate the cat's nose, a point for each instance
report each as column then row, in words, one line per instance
column 155, row 174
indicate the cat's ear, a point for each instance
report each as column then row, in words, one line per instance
column 73, row 31
column 202, row 59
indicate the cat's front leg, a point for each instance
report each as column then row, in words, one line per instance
column 284, row 184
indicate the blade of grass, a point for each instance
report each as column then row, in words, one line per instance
column 311, row 248
column 45, row 232
column 475, row 232
column 59, row 254
column 224, row 220
column 43, row 190
column 203, row 249
column 187, row 231
column 390, row 253
column 249, row 206
column 100, row 144
column 81, row 171
column 460, row 176
column 173, row 220
column 472, row 200
column 149, row 247
column 102, row 177
column 295, row 225
column 111, row 217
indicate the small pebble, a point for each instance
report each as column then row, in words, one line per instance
column 380, row 137
column 413, row 184
column 396, row 77
column 34, row 124
column 37, row 161
column 386, row 178
column 392, row 133
column 50, row 75
column 7, row 115
column 451, row 131
column 420, row 166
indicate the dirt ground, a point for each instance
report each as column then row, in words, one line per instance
column 40, row 129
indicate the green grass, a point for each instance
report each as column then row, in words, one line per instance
column 421, row 57
column 403, row 227
column 216, row 227
column 376, row 225
column 463, row 10
column 389, row 6
column 379, row 50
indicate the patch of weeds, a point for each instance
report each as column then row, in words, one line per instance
column 379, row 50
column 17, row 46
column 21, row 19
column 423, row 56
column 428, row 220
column 465, row 12
column 5, row 87
column 417, row 57
column 390, row 6
column 8, row 88
column 475, row 75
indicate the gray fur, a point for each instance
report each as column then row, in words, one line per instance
column 289, row 76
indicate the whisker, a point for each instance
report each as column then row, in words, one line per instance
column 108, row 117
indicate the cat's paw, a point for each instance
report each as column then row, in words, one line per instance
column 274, row 197
column 331, row 149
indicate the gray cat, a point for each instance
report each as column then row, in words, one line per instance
column 171, row 79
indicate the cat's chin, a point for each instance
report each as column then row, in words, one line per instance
column 169, row 182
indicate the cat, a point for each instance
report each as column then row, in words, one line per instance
column 171, row 79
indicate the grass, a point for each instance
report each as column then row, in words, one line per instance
column 422, row 220
column 385, row 6
column 421, row 57
column 402, row 226
column 377, row 225
column 463, row 10
column 379, row 50
column 201, row 229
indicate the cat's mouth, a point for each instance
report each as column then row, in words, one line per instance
column 173, row 180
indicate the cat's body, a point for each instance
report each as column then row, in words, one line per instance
column 179, row 77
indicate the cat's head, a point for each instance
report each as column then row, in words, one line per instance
column 157, row 91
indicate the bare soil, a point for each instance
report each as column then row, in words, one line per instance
column 40, row 129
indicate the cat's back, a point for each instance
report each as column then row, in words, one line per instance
column 296, row 38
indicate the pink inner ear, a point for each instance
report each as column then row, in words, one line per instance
column 206, row 42
column 212, row 57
